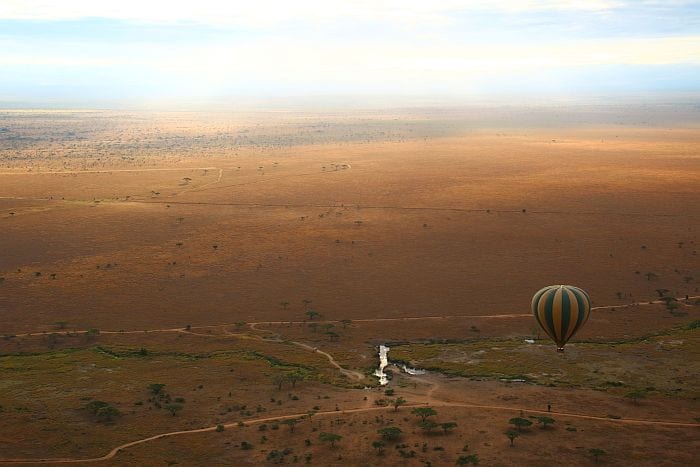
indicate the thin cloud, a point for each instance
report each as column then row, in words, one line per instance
column 281, row 47
column 269, row 13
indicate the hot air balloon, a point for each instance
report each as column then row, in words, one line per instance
column 561, row 310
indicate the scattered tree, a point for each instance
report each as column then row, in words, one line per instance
column 106, row 414
column 512, row 434
column 596, row 453
column 173, row 408
column 520, row 423
column 156, row 388
column 279, row 379
column 447, row 426
column 545, row 421
column 390, row 433
column 378, row 445
column 399, row 401
column 296, row 376
column 91, row 334
column 290, row 422
column 428, row 425
column 312, row 314
column 424, row 412
column 102, row 410
column 466, row 460
column 332, row 336
column 635, row 396
column 330, row 438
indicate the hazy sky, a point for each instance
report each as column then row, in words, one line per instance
column 141, row 49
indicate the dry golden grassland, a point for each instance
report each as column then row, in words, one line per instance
column 188, row 250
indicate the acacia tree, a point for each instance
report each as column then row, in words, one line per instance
column 447, row 426
column 173, row 408
column 279, row 379
column 330, row 438
column 312, row 314
column 332, row 335
column 107, row 413
column 545, row 421
column 390, row 433
column 399, row 401
column 520, row 423
column 512, row 434
column 466, row 460
column 597, row 452
column 156, row 388
column 428, row 425
column 635, row 396
column 102, row 410
column 424, row 412
column 290, row 422
column 379, row 446
column 296, row 376
column 91, row 334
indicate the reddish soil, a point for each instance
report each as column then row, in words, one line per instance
column 169, row 221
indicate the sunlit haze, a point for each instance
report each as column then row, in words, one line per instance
column 81, row 51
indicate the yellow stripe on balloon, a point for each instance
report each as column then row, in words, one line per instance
column 541, row 312
column 587, row 305
column 573, row 315
column 556, row 314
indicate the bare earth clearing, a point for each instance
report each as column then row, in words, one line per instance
column 219, row 255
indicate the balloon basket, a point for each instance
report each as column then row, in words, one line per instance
column 560, row 349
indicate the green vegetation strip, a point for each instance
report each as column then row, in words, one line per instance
column 664, row 363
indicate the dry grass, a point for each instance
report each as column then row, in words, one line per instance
column 382, row 215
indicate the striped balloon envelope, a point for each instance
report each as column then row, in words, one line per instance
column 561, row 310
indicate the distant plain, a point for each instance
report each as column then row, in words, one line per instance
column 219, row 232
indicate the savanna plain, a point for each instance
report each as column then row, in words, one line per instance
column 212, row 288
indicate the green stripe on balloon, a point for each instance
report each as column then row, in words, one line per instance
column 564, row 314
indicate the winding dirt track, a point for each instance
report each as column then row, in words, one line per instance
column 404, row 208
column 436, row 403
column 60, row 172
column 429, row 398
column 278, row 338
column 205, row 187
column 254, row 324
